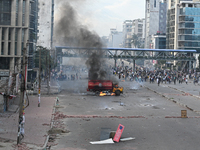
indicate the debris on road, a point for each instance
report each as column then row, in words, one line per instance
column 105, row 133
column 126, row 139
column 108, row 141
column 183, row 113
column 59, row 115
column 118, row 134
column 109, row 137
column 57, row 131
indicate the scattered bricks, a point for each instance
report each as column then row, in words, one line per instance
column 46, row 124
column 187, row 94
column 62, row 116
column 22, row 146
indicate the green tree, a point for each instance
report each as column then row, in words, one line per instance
column 137, row 44
column 45, row 56
column 135, row 40
column 160, row 63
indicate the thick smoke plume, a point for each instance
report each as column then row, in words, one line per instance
column 70, row 32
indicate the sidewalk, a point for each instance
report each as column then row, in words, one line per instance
column 37, row 123
column 54, row 88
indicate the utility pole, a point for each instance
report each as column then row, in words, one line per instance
column 21, row 104
column 47, row 71
column 39, row 77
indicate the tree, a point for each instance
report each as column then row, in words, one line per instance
column 135, row 40
column 160, row 63
column 45, row 54
column 137, row 44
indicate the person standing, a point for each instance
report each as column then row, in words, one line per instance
column 174, row 80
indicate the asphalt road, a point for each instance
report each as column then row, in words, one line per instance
column 150, row 113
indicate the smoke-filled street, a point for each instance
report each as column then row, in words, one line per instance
column 150, row 113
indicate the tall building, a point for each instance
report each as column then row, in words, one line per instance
column 138, row 28
column 183, row 25
column 115, row 38
column 45, row 23
column 18, row 30
column 155, row 15
column 127, row 33
column 158, row 41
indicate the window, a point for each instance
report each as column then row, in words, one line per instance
column 5, row 12
column 154, row 3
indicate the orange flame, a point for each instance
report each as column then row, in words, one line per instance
column 102, row 94
column 112, row 94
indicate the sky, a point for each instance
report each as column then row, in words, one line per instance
column 101, row 15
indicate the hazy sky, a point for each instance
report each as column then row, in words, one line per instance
column 101, row 15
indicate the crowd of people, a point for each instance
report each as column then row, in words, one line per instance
column 155, row 76
column 68, row 73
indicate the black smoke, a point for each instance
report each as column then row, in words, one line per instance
column 70, row 32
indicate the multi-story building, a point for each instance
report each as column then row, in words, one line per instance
column 115, row 38
column 155, row 15
column 158, row 41
column 18, row 30
column 45, row 23
column 127, row 33
column 138, row 28
column 183, row 25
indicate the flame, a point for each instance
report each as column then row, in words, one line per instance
column 112, row 94
column 102, row 94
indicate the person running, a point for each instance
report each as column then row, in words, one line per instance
column 158, row 80
column 186, row 80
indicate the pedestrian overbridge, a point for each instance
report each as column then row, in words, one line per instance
column 128, row 53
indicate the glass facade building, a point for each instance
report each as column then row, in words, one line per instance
column 189, row 28
column 18, row 30
column 183, row 26
column 5, row 12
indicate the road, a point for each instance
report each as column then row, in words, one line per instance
column 149, row 112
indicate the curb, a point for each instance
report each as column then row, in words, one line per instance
column 52, row 120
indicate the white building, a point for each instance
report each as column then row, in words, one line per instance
column 45, row 23
column 138, row 28
column 115, row 38
column 155, row 15
column 127, row 33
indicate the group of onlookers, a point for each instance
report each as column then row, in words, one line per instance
column 158, row 76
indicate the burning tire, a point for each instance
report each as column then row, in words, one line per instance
column 117, row 93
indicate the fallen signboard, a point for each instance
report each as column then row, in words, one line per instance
column 118, row 133
column 111, row 140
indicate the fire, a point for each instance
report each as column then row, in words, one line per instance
column 102, row 94
column 112, row 94
column 106, row 94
